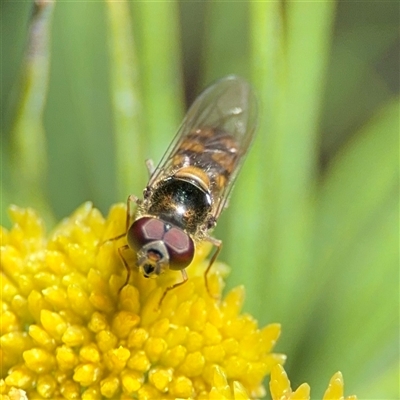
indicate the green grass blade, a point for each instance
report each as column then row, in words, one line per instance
column 158, row 26
column 279, row 190
column 355, row 323
column 355, row 270
column 79, row 110
column 251, row 211
column 357, row 183
column 29, row 158
column 226, row 36
column 126, row 99
column 309, row 30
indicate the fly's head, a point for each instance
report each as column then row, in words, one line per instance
column 159, row 246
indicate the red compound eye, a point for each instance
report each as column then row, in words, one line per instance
column 145, row 230
column 180, row 248
column 179, row 244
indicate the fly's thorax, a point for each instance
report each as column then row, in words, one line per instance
column 159, row 245
column 180, row 202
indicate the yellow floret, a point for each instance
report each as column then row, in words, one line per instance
column 281, row 390
column 335, row 389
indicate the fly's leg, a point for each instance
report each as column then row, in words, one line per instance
column 128, row 270
column 184, row 280
column 218, row 244
column 131, row 199
column 113, row 238
column 129, row 216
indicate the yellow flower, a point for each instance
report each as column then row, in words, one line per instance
column 68, row 332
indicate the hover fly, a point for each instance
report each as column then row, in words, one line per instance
column 189, row 188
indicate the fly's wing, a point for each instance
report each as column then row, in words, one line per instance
column 215, row 136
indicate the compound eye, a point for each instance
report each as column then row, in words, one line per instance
column 180, row 248
column 143, row 231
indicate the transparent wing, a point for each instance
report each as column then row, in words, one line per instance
column 215, row 136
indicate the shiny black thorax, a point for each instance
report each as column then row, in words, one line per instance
column 181, row 203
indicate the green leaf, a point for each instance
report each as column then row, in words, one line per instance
column 272, row 203
column 226, row 40
column 28, row 141
column 127, row 100
column 354, row 276
column 161, row 74
column 78, row 116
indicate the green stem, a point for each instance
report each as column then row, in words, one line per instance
column 29, row 158
column 288, row 72
column 254, row 196
column 309, row 30
column 126, row 99
column 163, row 102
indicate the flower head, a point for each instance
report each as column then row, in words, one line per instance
column 68, row 331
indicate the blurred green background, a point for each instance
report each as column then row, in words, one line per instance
column 312, row 230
